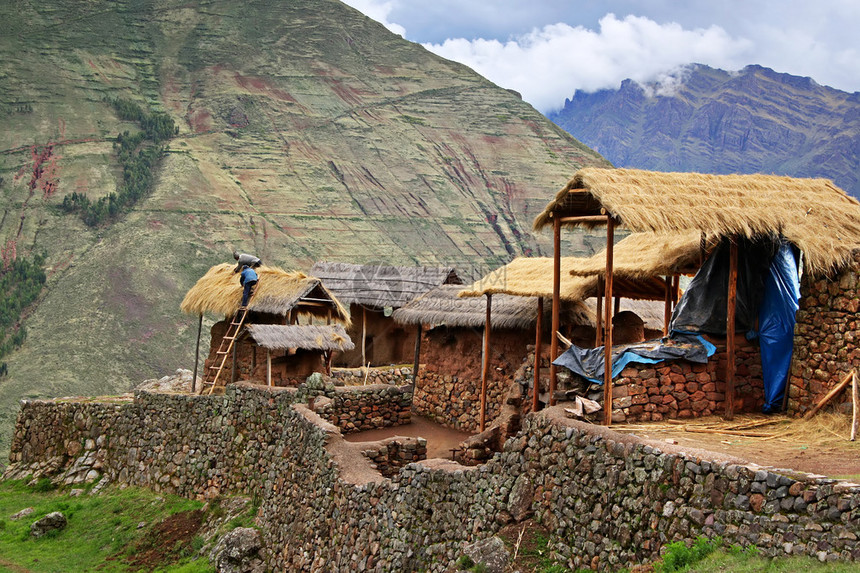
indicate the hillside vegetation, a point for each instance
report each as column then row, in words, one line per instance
column 302, row 131
column 712, row 121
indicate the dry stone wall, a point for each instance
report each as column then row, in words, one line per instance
column 609, row 500
column 826, row 338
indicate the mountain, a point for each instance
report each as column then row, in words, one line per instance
column 712, row 121
column 303, row 131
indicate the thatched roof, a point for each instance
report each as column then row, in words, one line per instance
column 644, row 255
column 532, row 277
column 813, row 214
column 307, row 337
column 379, row 286
column 277, row 292
column 442, row 306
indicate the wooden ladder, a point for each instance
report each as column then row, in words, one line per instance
column 214, row 371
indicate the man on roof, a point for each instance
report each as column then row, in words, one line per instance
column 248, row 279
column 243, row 259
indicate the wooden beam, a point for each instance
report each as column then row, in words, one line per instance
column 607, row 342
column 824, row 401
column 584, row 219
column 730, row 329
column 538, row 328
column 486, row 362
column 667, row 309
column 196, row 356
column 363, row 335
column 415, row 363
column 598, row 331
column 556, row 310
column 233, row 371
column 268, row 367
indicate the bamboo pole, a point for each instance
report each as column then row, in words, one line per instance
column 730, row 329
column 827, row 398
column 607, row 342
column 196, row 356
column 556, row 303
column 538, row 328
column 855, row 402
column 486, row 363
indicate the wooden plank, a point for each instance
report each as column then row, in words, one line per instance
column 556, row 303
column 607, row 342
column 730, row 329
column 830, row 395
column 538, row 341
column 485, row 370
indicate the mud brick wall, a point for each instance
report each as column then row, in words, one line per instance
column 826, row 338
column 610, row 501
column 681, row 389
column 448, row 390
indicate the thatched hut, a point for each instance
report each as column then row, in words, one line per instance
column 449, row 388
column 271, row 345
column 740, row 212
column 373, row 292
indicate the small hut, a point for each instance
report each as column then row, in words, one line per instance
column 272, row 346
column 750, row 217
column 373, row 292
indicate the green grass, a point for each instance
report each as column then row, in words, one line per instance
column 742, row 561
column 102, row 529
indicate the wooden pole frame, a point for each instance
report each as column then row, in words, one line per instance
column 485, row 369
column 556, row 310
column 196, row 356
column 607, row 343
column 730, row 328
column 538, row 341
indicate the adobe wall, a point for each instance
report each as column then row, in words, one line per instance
column 825, row 338
column 449, row 386
column 392, row 343
column 608, row 500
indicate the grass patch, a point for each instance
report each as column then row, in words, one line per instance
column 104, row 532
column 739, row 560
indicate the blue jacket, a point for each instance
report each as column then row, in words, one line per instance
column 248, row 274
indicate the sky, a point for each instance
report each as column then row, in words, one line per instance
column 548, row 49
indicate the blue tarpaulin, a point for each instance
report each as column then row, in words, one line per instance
column 776, row 325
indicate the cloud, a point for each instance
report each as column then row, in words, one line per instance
column 379, row 11
column 549, row 64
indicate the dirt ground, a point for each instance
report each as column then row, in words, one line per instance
column 165, row 543
column 819, row 446
column 440, row 440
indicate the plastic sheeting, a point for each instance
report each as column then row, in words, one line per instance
column 777, row 316
column 589, row 362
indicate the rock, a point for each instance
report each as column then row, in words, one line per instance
column 520, row 500
column 238, row 552
column 491, row 553
column 50, row 522
column 23, row 513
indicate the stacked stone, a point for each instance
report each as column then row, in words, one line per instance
column 825, row 338
column 456, row 403
column 358, row 408
column 390, row 376
column 392, row 454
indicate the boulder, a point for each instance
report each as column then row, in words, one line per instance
column 50, row 522
column 238, row 552
column 491, row 553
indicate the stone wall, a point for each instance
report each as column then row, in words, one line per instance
column 358, row 408
column 398, row 376
column 825, row 339
column 609, row 500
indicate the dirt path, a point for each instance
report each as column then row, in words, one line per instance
column 440, row 440
column 13, row 567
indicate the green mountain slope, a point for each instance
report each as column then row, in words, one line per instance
column 306, row 131
column 712, row 121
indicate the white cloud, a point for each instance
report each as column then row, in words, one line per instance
column 549, row 64
column 379, row 11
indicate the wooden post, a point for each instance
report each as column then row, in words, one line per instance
column 328, row 358
column 363, row 334
column 598, row 332
column 607, row 343
column 730, row 329
column 196, row 356
column 416, row 362
column 667, row 310
column 268, row 367
column 855, row 401
column 235, row 346
column 617, row 304
column 556, row 310
column 486, row 363
column 676, row 290
column 538, row 328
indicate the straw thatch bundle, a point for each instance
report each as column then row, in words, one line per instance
column 277, row 292
column 532, row 277
column 379, row 286
column 442, row 305
column 813, row 214
column 643, row 255
column 306, row 337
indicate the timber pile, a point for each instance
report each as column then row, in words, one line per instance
column 747, row 427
